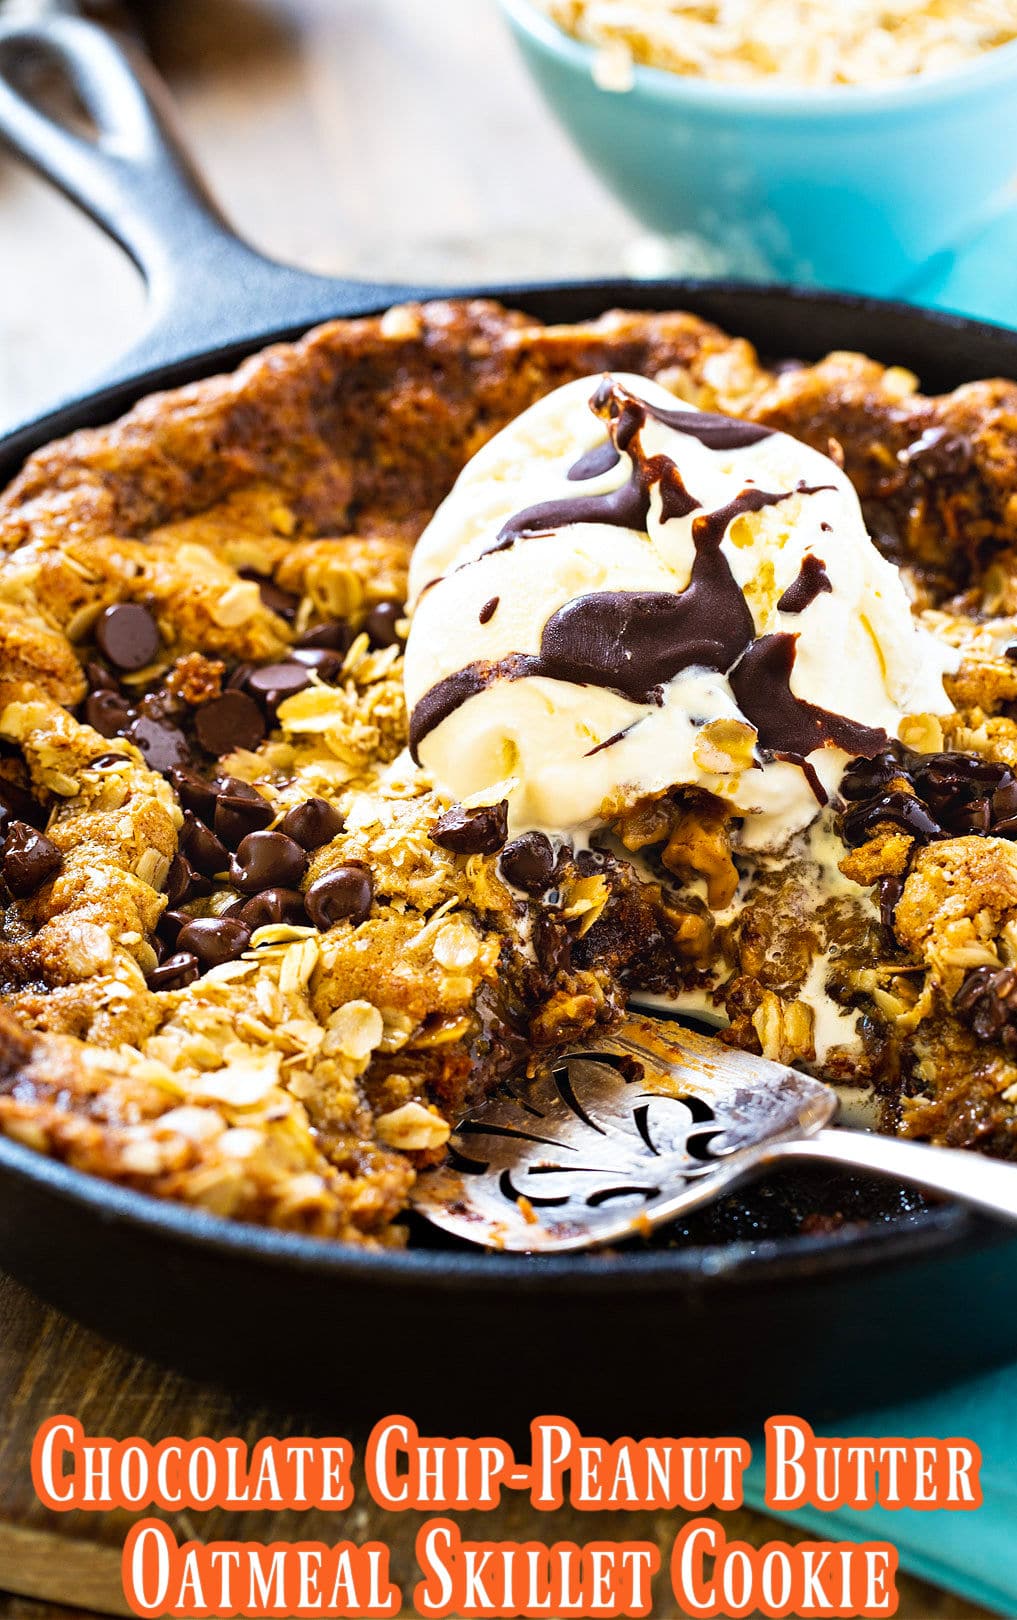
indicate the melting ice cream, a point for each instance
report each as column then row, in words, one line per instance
column 622, row 595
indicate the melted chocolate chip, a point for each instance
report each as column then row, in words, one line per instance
column 99, row 678
column 381, row 622
column 472, row 832
column 267, row 860
column 812, row 579
column 272, row 906
column 312, row 824
column 183, row 883
column 228, row 722
column 529, row 863
column 938, row 453
column 240, row 809
column 326, row 664
column 900, row 809
column 195, row 794
column 206, row 852
column 596, row 461
column 345, row 893
column 29, row 859
column 169, row 925
column 163, row 745
column 987, row 1002
column 273, row 597
column 127, row 635
column 333, row 634
column 489, row 610
column 108, row 713
column 17, row 805
column 214, row 940
column 272, row 684
column 176, row 972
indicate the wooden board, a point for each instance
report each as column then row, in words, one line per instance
column 48, row 1365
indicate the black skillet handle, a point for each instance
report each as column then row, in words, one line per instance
column 209, row 291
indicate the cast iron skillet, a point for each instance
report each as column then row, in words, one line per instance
column 746, row 1316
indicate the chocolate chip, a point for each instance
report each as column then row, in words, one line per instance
column 195, row 794
column 17, row 805
column 335, row 634
column 214, row 940
column 102, row 762
column 203, row 849
column 127, row 635
column 529, row 863
column 108, row 713
column 284, row 603
column 325, row 664
column 162, row 744
column 29, row 859
column 381, row 622
column 177, row 971
column 345, row 892
column 312, row 824
column 472, row 832
column 183, row 882
column 489, row 610
column 267, row 860
column 228, row 722
column 938, row 453
column 274, row 683
column 240, row 677
column 240, row 809
column 272, row 906
column 99, row 678
column 169, row 925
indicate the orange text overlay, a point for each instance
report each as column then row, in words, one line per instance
column 404, row 1470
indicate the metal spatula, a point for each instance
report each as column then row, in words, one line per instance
column 649, row 1123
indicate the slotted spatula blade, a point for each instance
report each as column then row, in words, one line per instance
column 650, row 1122
column 609, row 1140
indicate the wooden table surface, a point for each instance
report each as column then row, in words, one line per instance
column 389, row 138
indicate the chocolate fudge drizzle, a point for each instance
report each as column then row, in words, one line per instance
column 596, row 461
column 812, row 580
column 761, row 683
column 635, row 642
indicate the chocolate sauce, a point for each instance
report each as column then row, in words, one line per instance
column 712, row 528
column 812, row 580
column 628, row 506
column 761, row 683
column 596, row 461
column 635, row 642
column 632, row 642
column 448, row 695
column 715, row 432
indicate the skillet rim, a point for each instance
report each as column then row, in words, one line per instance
column 946, row 1229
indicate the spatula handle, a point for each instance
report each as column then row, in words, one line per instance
column 988, row 1185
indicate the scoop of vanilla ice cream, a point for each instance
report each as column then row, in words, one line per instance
column 499, row 711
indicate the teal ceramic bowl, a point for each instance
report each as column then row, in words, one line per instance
column 851, row 187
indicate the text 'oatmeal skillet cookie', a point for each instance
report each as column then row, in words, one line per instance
column 257, row 954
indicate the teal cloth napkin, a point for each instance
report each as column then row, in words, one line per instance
column 973, row 1554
